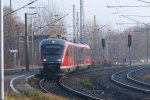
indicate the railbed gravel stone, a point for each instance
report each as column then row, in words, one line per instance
column 103, row 87
column 140, row 75
column 52, row 86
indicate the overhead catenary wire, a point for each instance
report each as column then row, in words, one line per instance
column 131, row 2
column 20, row 8
column 124, row 11
column 135, row 20
column 125, row 23
column 144, row 1
column 51, row 22
column 124, row 6
column 137, row 15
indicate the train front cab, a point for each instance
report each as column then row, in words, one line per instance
column 51, row 56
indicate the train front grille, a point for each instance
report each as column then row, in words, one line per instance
column 52, row 67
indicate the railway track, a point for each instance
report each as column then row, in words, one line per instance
column 20, row 84
column 58, row 87
column 138, row 81
column 42, row 87
column 82, row 94
column 124, row 79
column 51, row 86
column 79, row 93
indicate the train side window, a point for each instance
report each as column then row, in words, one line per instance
column 70, row 51
column 86, row 52
column 89, row 52
column 80, row 54
column 75, row 54
column 67, row 53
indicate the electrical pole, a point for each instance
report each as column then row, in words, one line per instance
column 94, row 23
column 81, row 21
column 95, row 47
column 18, row 64
column 35, row 58
column 26, row 43
column 32, row 39
column 77, row 27
column 74, row 39
column 11, row 40
column 1, row 52
column 147, row 36
column 40, row 21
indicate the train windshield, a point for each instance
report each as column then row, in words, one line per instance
column 52, row 52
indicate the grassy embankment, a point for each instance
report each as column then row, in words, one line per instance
column 147, row 76
column 33, row 95
column 86, row 82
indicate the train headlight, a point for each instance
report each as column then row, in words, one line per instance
column 44, row 59
column 53, row 42
column 59, row 59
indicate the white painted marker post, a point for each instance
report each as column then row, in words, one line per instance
column 1, row 53
column 15, row 57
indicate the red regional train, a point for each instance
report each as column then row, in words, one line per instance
column 59, row 56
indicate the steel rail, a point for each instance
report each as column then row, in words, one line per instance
column 81, row 94
column 127, row 85
column 40, row 85
column 17, row 77
column 78, row 93
column 135, row 80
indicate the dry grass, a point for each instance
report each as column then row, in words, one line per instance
column 34, row 81
column 98, row 74
column 147, row 76
column 86, row 82
column 32, row 96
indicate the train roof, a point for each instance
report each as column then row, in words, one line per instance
column 61, row 41
column 53, row 40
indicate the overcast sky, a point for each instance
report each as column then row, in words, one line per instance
column 99, row 8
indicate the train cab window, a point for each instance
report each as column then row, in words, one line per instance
column 52, row 49
column 52, row 52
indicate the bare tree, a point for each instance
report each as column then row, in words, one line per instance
column 13, row 28
column 93, row 37
column 48, row 14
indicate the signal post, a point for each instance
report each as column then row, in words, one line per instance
column 103, row 46
column 129, row 45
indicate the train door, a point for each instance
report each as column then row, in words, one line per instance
column 70, row 55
